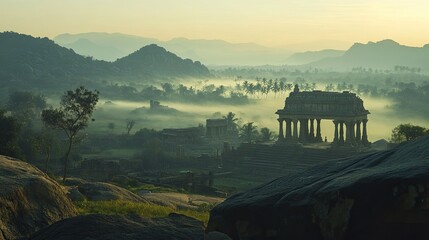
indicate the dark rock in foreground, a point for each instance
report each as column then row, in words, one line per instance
column 29, row 200
column 113, row 227
column 383, row 195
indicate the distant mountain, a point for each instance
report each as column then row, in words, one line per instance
column 312, row 56
column 103, row 46
column 384, row 54
column 154, row 60
column 110, row 46
column 24, row 58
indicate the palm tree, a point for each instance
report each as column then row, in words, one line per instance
column 276, row 88
column 282, row 86
column 266, row 135
column 248, row 132
column 231, row 122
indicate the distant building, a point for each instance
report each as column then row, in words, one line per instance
column 216, row 128
column 183, row 135
column 156, row 105
column 182, row 141
column 345, row 109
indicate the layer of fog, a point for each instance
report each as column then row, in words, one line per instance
column 261, row 111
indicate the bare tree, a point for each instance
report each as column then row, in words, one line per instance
column 130, row 125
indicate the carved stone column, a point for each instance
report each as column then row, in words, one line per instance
column 336, row 132
column 341, row 141
column 311, row 135
column 352, row 133
column 303, row 130
column 288, row 129
column 281, row 136
column 358, row 134
column 295, row 129
column 364, row 133
column 348, row 130
column 318, row 132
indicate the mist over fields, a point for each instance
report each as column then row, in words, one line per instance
column 394, row 91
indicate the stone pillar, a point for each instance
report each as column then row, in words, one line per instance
column 303, row 130
column 358, row 134
column 348, row 130
column 364, row 133
column 295, row 129
column 311, row 135
column 352, row 132
column 336, row 132
column 281, row 137
column 318, row 132
column 341, row 141
column 288, row 129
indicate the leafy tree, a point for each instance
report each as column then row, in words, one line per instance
column 407, row 132
column 25, row 106
column 9, row 129
column 248, row 132
column 73, row 115
column 168, row 89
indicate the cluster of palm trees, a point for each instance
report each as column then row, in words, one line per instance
column 262, row 87
column 248, row 132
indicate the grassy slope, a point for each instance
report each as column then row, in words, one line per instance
column 142, row 209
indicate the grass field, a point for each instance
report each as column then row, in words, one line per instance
column 142, row 209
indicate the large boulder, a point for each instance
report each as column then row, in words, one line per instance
column 99, row 191
column 132, row 227
column 382, row 195
column 29, row 200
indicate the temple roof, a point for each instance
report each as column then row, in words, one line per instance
column 218, row 122
column 321, row 104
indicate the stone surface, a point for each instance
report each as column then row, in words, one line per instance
column 113, row 227
column 29, row 200
column 383, row 195
column 99, row 191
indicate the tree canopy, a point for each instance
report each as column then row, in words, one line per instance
column 9, row 129
column 248, row 132
column 73, row 115
column 407, row 132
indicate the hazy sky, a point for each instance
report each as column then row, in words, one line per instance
column 268, row 22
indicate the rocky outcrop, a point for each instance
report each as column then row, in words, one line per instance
column 383, row 195
column 97, row 226
column 29, row 200
column 99, row 191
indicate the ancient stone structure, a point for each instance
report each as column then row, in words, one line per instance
column 304, row 111
column 182, row 135
column 156, row 105
column 216, row 128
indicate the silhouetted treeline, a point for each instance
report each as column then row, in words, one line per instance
column 170, row 92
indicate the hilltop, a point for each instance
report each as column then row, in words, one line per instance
column 155, row 60
column 385, row 54
column 41, row 61
column 111, row 46
column 312, row 56
column 28, row 61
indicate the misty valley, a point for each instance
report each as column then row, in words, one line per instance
column 142, row 137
